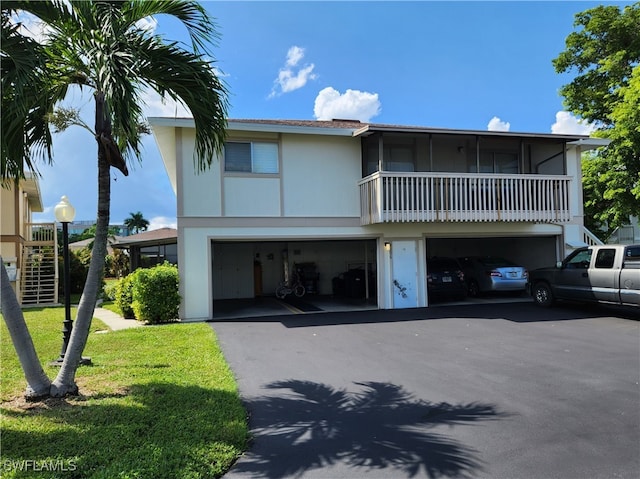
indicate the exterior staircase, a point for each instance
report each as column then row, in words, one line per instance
column 39, row 268
column 589, row 238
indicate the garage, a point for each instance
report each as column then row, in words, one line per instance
column 529, row 251
column 255, row 269
column 493, row 267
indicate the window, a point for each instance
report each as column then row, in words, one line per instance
column 580, row 260
column 251, row 157
column 398, row 158
column 496, row 162
column 605, row 257
column 632, row 253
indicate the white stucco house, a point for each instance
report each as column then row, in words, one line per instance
column 343, row 194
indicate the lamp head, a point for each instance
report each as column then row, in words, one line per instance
column 65, row 213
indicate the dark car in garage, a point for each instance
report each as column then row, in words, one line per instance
column 445, row 279
column 486, row 274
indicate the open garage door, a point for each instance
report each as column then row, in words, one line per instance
column 251, row 269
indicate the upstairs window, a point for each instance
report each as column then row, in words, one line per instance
column 395, row 158
column 496, row 162
column 251, row 157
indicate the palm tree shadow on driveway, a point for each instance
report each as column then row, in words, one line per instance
column 381, row 427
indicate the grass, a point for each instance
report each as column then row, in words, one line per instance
column 111, row 306
column 158, row 402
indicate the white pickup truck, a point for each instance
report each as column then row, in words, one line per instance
column 606, row 274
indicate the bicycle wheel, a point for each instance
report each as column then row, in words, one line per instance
column 299, row 290
column 282, row 291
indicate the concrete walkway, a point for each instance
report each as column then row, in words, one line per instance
column 113, row 320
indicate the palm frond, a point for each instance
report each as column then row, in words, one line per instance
column 199, row 24
column 99, row 45
column 181, row 75
column 23, row 81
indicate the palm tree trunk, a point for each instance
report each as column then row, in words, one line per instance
column 64, row 384
column 38, row 384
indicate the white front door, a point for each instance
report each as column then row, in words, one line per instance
column 404, row 274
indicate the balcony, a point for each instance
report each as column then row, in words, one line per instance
column 39, row 268
column 391, row 197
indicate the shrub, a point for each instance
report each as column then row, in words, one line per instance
column 117, row 264
column 110, row 289
column 124, row 295
column 155, row 294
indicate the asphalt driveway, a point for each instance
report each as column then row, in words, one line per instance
column 497, row 391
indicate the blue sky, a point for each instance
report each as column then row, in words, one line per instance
column 465, row 65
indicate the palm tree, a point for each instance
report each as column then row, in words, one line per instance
column 136, row 222
column 99, row 45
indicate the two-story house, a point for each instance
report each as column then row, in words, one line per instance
column 343, row 195
column 29, row 250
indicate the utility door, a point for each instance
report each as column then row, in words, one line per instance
column 233, row 270
column 404, row 273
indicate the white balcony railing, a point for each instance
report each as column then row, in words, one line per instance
column 456, row 197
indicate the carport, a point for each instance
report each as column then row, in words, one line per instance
column 529, row 251
column 252, row 270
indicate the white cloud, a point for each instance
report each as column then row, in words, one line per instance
column 496, row 124
column 294, row 55
column 158, row 222
column 149, row 24
column 352, row 105
column 31, row 26
column 156, row 106
column 568, row 124
column 290, row 79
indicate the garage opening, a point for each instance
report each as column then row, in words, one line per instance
column 531, row 251
column 339, row 271
column 486, row 267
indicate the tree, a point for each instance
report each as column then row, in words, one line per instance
column 136, row 222
column 604, row 51
column 100, row 45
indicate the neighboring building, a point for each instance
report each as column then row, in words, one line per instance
column 87, row 243
column 150, row 248
column 628, row 234
column 345, row 195
column 79, row 227
column 29, row 250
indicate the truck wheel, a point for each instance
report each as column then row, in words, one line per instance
column 542, row 295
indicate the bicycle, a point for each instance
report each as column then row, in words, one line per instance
column 296, row 288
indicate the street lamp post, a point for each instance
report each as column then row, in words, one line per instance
column 64, row 214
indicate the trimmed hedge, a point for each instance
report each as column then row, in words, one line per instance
column 155, row 294
column 124, row 295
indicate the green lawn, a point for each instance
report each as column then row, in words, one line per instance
column 158, row 402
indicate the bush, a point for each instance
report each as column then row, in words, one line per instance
column 124, row 295
column 109, row 290
column 155, row 294
column 117, row 264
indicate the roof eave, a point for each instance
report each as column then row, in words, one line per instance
column 257, row 127
column 377, row 128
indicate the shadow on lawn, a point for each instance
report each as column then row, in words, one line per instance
column 381, row 427
column 158, row 430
